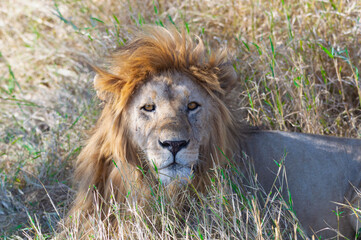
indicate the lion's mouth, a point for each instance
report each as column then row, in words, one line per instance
column 175, row 172
column 175, row 166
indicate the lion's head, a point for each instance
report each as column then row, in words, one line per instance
column 165, row 109
column 169, row 118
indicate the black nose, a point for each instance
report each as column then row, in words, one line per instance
column 174, row 146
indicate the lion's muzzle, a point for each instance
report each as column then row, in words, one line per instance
column 174, row 146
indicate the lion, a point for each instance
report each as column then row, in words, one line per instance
column 168, row 111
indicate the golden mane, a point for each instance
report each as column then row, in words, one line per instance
column 109, row 163
column 156, row 50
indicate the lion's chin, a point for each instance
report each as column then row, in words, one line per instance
column 177, row 172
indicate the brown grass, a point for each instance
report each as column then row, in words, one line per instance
column 299, row 63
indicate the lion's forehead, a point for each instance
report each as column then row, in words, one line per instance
column 175, row 88
column 180, row 86
column 160, row 91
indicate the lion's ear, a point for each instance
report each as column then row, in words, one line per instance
column 107, row 84
column 227, row 77
column 224, row 69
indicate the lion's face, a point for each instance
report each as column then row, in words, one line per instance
column 168, row 123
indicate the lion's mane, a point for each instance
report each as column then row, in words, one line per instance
column 110, row 162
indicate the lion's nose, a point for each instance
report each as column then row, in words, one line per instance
column 174, row 146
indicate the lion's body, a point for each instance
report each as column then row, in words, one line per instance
column 320, row 171
column 167, row 110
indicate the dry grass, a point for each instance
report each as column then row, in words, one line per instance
column 299, row 63
column 235, row 208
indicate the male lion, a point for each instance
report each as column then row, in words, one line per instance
column 167, row 108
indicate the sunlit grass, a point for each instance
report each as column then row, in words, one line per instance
column 299, row 64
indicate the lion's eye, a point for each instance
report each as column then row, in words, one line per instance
column 193, row 106
column 149, row 107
